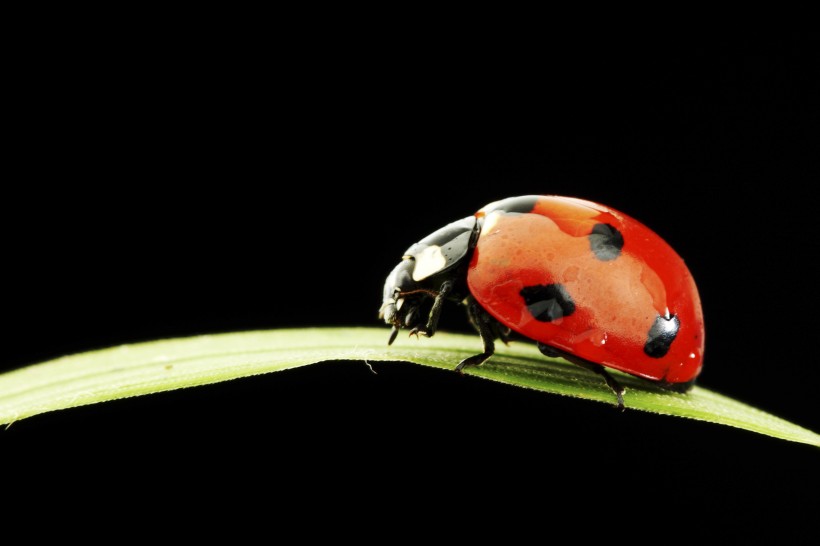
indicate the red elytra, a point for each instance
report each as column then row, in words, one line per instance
column 632, row 303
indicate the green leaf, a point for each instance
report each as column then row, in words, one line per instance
column 145, row 368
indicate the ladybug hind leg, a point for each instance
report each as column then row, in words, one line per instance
column 488, row 328
column 611, row 382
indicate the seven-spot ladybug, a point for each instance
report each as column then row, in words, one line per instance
column 586, row 282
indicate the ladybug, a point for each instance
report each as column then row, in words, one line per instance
column 584, row 281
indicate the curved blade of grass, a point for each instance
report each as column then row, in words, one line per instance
column 145, row 368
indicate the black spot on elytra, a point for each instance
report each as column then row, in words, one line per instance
column 661, row 336
column 606, row 242
column 548, row 302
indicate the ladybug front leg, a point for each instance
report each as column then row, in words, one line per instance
column 483, row 322
column 435, row 312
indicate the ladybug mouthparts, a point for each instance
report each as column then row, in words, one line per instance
column 403, row 300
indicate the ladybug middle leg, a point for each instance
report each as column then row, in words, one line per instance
column 613, row 384
column 488, row 328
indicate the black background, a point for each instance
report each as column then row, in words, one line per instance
column 216, row 189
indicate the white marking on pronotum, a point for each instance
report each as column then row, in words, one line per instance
column 489, row 223
column 428, row 262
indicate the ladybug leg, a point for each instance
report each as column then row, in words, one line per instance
column 435, row 312
column 502, row 332
column 611, row 382
column 482, row 322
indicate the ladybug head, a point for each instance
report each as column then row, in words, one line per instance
column 403, row 298
column 412, row 285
